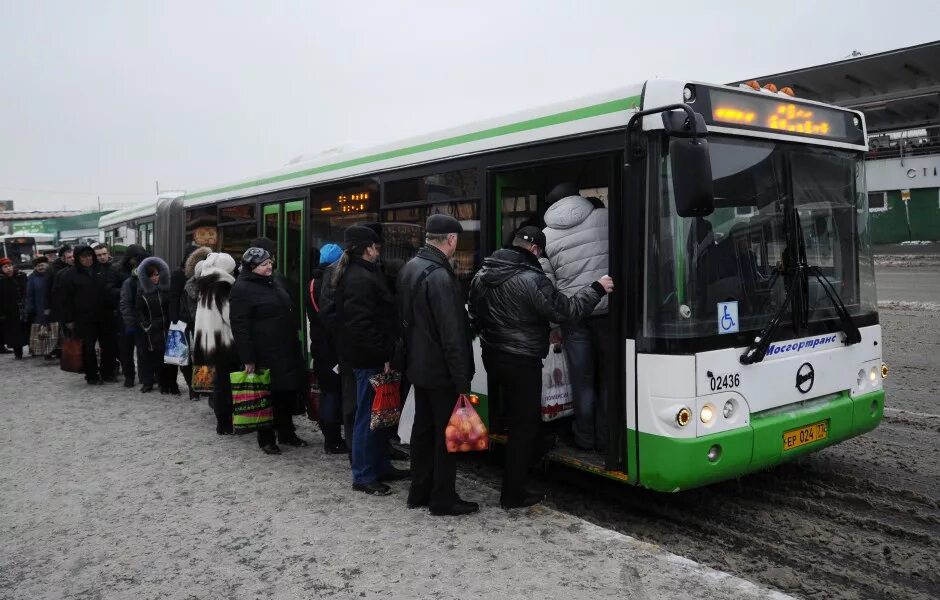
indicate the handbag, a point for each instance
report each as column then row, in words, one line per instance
column 71, row 360
column 176, row 349
column 557, row 399
column 203, row 379
column 386, row 405
column 313, row 398
column 465, row 430
column 251, row 401
column 42, row 340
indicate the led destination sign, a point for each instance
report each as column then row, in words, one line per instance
column 777, row 114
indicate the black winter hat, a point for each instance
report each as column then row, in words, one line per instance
column 441, row 224
column 533, row 235
column 360, row 236
column 254, row 256
column 562, row 190
column 376, row 227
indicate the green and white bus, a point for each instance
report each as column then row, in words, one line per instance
column 745, row 319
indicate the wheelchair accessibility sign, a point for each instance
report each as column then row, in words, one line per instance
column 727, row 317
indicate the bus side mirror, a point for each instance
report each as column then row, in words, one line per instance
column 692, row 176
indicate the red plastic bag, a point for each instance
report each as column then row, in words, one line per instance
column 465, row 431
column 386, row 406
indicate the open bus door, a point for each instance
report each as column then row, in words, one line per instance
column 519, row 195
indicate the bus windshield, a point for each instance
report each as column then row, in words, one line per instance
column 726, row 273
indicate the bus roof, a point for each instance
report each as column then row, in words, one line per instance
column 596, row 112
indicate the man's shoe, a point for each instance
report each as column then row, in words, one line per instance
column 4, row 350
column 527, row 500
column 174, row 389
column 110, row 379
column 417, row 503
column 373, row 489
column 460, row 507
column 93, row 381
column 396, row 453
column 270, row 449
column 396, row 475
column 339, row 447
column 128, row 383
column 295, row 441
column 193, row 396
column 146, row 388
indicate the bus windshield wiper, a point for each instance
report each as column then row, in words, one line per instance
column 758, row 348
column 798, row 285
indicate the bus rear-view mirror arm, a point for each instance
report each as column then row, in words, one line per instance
column 688, row 152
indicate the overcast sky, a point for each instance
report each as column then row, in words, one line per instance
column 105, row 98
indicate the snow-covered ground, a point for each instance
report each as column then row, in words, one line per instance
column 106, row 493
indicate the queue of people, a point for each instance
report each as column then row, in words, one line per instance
column 363, row 323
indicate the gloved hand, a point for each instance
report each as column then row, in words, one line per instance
column 130, row 330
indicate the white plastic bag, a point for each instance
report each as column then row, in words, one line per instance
column 177, row 346
column 407, row 419
column 557, row 399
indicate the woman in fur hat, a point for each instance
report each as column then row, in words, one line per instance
column 214, row 343
column 153, row 318
column 183, row 303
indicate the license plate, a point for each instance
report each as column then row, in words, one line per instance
column 805, row 435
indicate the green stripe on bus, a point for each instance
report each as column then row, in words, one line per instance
column 577, row 114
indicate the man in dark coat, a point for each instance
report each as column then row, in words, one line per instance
column 512, row 303
column 111, row 280
column 87, row 314
column 53, row 298
column 126, row 281
column 435, row 331
column 13, row 307
column 264, row 326
column 367, row 334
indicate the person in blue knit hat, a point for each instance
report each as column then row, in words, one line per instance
column 325, row 359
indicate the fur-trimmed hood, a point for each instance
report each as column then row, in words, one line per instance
column 200, row 253
column 145, row 285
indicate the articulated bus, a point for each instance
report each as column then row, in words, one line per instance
column 744, row 321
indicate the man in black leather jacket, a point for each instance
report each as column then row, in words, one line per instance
column 512, row 303
column 436, row 334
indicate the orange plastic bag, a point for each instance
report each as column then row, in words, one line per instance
column 465, row 431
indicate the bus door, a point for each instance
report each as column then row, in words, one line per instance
column 283, row 223
column 519, row 196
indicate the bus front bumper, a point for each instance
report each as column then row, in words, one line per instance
column 670, row 464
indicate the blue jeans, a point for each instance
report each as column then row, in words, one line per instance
column 369, row 448
column 587, row 346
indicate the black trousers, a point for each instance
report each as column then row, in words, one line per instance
column 283, row 403
column 150, row 367
column 519, row 379
column 222, row 397
column 105, row 336
column 433, row 468
column 126, row 356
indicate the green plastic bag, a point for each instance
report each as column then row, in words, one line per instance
column 251, row 401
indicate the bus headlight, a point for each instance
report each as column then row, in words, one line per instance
column 683, row 417
column 707, row 414
column 728, row 409
column 873, row 375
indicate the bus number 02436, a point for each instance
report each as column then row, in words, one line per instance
column 724, row 382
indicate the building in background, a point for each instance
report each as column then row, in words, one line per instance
column 899, row 93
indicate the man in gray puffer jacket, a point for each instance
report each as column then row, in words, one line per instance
column 577, row 248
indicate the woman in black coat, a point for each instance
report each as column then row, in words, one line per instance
column 13, row 307
column 264, row 325
column 152, row 312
